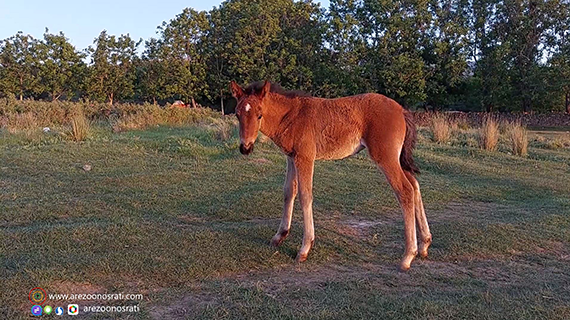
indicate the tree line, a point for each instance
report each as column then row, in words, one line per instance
column 483, row 55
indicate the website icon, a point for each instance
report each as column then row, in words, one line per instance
column 73, row 309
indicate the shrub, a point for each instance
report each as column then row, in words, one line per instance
column 489, row 134
column 440, row 128
column 558, row 143
column 135, row 121
column 18, row 115
column 21, row 122
column 518, row 137
column 147, row 115
column 462, row 124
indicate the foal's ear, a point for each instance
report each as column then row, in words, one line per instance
column 236, row 90
column 265, row 90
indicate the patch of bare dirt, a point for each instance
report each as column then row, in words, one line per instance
column 356, row 228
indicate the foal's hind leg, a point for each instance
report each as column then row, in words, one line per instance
column 405, row 194
column 421, row 219
column 289, row 191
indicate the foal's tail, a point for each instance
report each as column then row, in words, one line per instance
column 406, row 158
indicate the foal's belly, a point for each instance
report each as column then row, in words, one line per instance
column 340, row 149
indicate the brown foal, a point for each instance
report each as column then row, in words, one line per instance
column 308, row 129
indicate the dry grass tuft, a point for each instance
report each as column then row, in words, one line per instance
column 489, row 134
column 440, row 128
column 518, row 137
column 21, row 122
column 80, row 126
column 222, row 130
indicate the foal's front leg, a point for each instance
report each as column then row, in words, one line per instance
column 305, row 166
column 289, row 193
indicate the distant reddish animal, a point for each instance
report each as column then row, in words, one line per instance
column 179, row 104
column 308, row 129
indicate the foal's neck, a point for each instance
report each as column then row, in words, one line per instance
column 276, row 107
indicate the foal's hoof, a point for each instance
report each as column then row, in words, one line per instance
column 279, row 237
column 424, row 247
column 301, row 258
column 276, row 241
column 304, row 251
column 407, row 261
column 404, row 267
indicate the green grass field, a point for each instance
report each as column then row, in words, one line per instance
column 177, row 214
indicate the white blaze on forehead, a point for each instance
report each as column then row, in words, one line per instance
column 247, row 107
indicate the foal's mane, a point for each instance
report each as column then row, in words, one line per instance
column 275, row 88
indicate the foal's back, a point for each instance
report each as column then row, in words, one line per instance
column 342, row 127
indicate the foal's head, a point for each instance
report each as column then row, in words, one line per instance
column 248, row 112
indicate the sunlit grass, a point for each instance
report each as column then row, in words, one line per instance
column 178, row 214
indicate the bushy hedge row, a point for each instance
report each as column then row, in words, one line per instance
column 22, row 115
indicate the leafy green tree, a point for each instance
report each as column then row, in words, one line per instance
column 489, row 55
column 19, row 65
column 561, row 73
column 512, row 41
column 344, row 55
column 261, row 39
column 445, row 50
column 394, row 32
column 182, row 51
column 112, row 73
column 152, row 73
column 61, row 68
column 560, row 60
column 218, row 75
column 529, row 25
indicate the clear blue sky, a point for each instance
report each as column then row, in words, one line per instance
column 83, row 20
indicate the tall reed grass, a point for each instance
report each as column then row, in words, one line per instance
column 440, row 128
column 80, row 126
column 518, row 138
column 489, row 134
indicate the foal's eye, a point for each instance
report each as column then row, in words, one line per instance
column 259, row 118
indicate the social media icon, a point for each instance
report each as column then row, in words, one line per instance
column 59, row 311
column 37, row 310
column 72, row 309
column 48, row 310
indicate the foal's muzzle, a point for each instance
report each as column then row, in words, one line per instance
column 246, row 149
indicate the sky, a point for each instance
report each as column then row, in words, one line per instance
column 82, row 20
